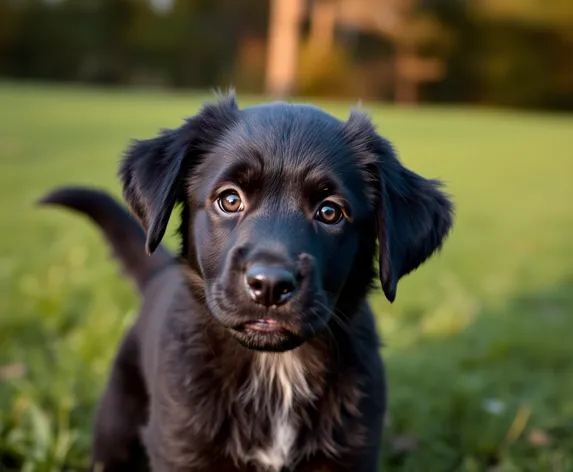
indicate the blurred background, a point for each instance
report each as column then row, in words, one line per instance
column 501, row 52
column 478, row 93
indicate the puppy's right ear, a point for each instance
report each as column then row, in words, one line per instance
column 153, row 171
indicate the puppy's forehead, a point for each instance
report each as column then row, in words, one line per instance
column 289, row 134
column 289, row 145
column 282, row 113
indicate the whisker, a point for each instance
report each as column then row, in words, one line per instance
column 331, row 338
column 339, row 321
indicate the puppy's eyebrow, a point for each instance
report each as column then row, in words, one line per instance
column 318, row 186
column 247, row 173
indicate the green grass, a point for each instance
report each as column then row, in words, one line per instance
column 479, row 344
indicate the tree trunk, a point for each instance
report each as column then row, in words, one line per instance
column 283, row 47
column 322, row 24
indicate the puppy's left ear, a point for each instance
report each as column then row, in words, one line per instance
column 153, row 170
column 413, row 214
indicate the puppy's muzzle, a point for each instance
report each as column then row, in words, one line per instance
column 268, row 299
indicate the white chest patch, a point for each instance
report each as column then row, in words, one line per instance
column 284, row 373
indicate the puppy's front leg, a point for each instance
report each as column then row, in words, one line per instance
column 169, row 447
column 162, row 456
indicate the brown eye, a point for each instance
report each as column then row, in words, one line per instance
column 230, row 202
column 329, row 213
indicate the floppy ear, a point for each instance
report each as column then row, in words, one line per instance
column 153, row 170
column 413, row 214
column 413, row 218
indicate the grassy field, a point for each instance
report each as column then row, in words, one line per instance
column 479, row 344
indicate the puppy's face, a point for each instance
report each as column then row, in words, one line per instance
column 281, row 211
column 282, row 207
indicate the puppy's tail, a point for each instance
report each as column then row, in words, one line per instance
column 122, row 231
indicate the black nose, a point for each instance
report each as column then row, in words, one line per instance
column 270, row 285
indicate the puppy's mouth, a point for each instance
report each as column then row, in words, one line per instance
column 264, row 325
column 266, row 334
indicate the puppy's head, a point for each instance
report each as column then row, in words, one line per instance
column 283, row 207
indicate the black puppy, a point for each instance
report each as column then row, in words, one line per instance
column 256, row 350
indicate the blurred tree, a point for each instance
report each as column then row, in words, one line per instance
column 283, row 45
column 525, row 52
column 510, row 52
column 401, row 22
column 553, row 14
column 418, row 38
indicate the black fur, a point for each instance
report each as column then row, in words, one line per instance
column 197, row 383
